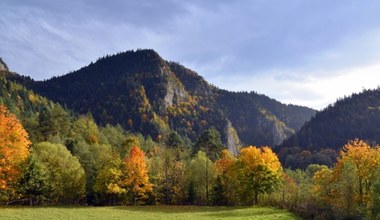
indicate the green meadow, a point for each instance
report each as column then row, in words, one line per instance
column 144, row 213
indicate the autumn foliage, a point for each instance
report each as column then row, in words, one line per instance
column 261, row 172
column 136, row 179
column 225, row 163
column 14, row 147
column 73, row 161
column 349, row 187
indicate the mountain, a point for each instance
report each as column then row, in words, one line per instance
column 356, row 116
column 144, row 93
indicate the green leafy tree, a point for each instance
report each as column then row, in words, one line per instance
column 202, row 176
column 66, row 177
column 93, row 158
column 375, row 209
column 295, row 193
column 167, row 173
column 33, row 183
column 113, row 135
column 130, row 142
column 86, row 128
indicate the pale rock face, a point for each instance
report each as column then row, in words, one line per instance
column 279, row 134
column 3, row 66
column 233, row 142
column 175, row 93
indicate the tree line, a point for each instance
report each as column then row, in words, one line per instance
column 108, row 166
column 81, row 163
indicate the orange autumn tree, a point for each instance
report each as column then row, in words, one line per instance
column 225, row 192
column 224, row 164
column 14, row 147
column 136, row 179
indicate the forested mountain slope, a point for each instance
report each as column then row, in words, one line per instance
column 144, row 93
column 356, row 116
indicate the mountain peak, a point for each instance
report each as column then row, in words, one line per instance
column 139, row 55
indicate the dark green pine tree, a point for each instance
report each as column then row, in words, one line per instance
column 174, row 141
column 191, row 193
column 218, row 194
column 210, row 142
column 33, row 183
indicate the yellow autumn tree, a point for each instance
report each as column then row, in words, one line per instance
column 14, row 147
column 359, row 158
column 260, row 172
column 108, row 182
column 348, row 187
column 136, row 179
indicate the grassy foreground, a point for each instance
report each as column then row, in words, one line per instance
column 143, row 212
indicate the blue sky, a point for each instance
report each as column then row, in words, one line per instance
column 306, row 52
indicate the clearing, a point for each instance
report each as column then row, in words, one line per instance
column 143, row 212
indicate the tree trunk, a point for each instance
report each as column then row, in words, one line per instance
column 206, row 181
column 256, row 194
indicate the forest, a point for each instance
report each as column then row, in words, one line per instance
column 55, row 157
column 320, row 139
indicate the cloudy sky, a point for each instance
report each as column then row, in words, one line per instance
column 306, row 52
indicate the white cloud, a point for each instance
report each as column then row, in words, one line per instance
column 306, row 89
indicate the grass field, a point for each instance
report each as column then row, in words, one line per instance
column 143, row 212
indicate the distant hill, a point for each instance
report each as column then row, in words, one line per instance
column 356, row 116
column 144, row 93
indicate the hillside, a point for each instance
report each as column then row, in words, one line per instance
column 144, row 93
column 72, row 160
column 37, row 114
column 356, row 116
column 63, row 144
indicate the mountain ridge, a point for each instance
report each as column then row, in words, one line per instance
column 353, row 117
column 145, row 93
column 360, row 109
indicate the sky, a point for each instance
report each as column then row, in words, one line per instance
column 304, row 52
